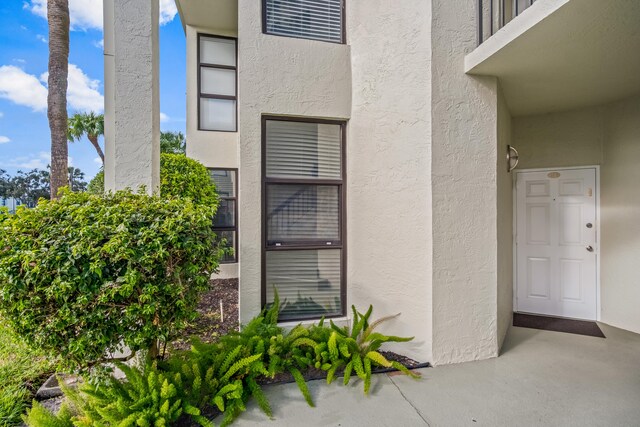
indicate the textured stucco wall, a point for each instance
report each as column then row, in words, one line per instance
column 606, row 135
column 464, row 127
column 572, row 138
column 504, row 223
column 389, row 163
column 212, row 149
column 620, row 216
column 277, row 75
column 132, row 100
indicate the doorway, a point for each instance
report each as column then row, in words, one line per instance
column 556, row 251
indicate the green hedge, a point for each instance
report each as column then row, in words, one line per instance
column 81, row 275
column 180, row 176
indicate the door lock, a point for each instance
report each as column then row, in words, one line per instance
column 590, row 248
column 589, row 225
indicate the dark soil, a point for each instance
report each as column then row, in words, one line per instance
column 208, row 326
column 318, row 374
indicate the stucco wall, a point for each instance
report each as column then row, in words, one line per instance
column 285, row 76
column 212, row 149
column 572, row 138
column 620, row 210
column 504, row 223
column 607, row 135
column 389, row 163
column 464, row 128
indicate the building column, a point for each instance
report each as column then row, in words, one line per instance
column 464, row 194
column 132, row 100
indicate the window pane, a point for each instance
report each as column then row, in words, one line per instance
column 307, row 281
column 217, row 114
column 217, row 51
column 217, row 81
column 225, row 181
column 230, row 238
column 225, row 216
column 311, row 19
column 302, row 212
column 303, row 150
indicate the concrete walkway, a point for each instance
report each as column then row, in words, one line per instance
column 542, row 378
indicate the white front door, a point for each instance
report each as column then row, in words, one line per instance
column 556, row 248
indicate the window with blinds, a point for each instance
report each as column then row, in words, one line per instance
column 225, row 223
column 308, row 19
column 303, row 217
column 217, row 89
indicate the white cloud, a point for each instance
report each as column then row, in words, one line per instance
column 82, row 93
column 1, row 114
column 168, row 11
column 39, row 161
column 36, row 161
column 19, row 60
column 42, row 38
column 163, row 118
column 99, row 43
column 97, row 160
column 22, row 88
column 87, row 14
column 4, row 139
column 25, row 89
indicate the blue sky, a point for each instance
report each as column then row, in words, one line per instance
column 24, row 130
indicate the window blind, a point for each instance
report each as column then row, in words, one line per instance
column 309, row 19
column 302, row 212
column 303, row 150
column 308, row 282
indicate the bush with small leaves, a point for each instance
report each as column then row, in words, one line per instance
column 180, row 176
column 84, row 274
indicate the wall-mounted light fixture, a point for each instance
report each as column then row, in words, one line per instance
column 512, row 158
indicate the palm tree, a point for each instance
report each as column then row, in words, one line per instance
column 58, row 16
column 89, row 124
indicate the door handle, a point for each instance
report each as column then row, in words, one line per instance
column 589, row 248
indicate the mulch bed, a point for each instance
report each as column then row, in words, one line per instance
column 208, row 326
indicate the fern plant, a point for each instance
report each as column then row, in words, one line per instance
column 355, row 349
column 39, row 416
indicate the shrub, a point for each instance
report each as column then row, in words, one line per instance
column 96, row 185
column 180, row 176
column 355, row 349
column 82, row 275
column 225, row 374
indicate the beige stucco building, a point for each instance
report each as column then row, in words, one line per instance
column 362, row 148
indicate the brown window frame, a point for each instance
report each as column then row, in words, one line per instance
column 343, row 29
column 235, row 216
column 306, row 245
column 221, row 67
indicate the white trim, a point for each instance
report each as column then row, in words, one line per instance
column 514, row 259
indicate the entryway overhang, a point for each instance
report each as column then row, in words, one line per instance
column 219, row 14
column 564, row 54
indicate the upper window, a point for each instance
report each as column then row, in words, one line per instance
column 217, row 87
column 307, row 19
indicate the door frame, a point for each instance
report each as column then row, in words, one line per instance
column 515, row 229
